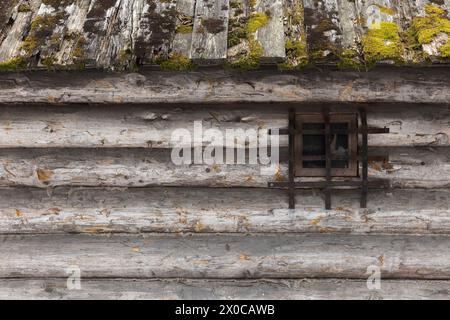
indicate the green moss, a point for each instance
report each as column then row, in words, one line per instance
column 78, row 53
column 383, row 43
column 386, row 10
column 29, row 45
column 24, row 8
column 177, row 62
column 433, row 10
column 251, row 60
column 424, row 30
column 256, row 21
column 14, row 64
column 44, row 22
column 235, row 4
column 427, row 28
column 185, row 29
column 296, row 56
column 350, row 59
column 235, row 37
column 48, row 62
column 445, row 50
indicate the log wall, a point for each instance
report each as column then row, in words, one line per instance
column 94, row 186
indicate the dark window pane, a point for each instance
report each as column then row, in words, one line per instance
column 313, row 126
column 313, row 164
column 314, row 145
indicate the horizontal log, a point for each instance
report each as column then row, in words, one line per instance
column 193, row 289
column 406, row 168
column 225, row 256
column 141, row 210
column 142, row 126
column 385, row 85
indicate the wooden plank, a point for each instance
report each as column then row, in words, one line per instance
column 185, row 25
column 10, row 46
column 324, row 33
column 226, row 256
column 271, row 36
column 187, row 289
column 156, row 29
column 143, row 210
column 141, row 126
column 351, row 31
column 386, row 85
column 209, row 40
column 295, row 34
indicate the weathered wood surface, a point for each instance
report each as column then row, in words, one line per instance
column 142, row 210
column 271, row 36
column 226, row 256
column 209, row 38
column 406, row 168
column 143, row 127
column 182, row 289
column 182, row 41
column 430, row 85
column 122, row 34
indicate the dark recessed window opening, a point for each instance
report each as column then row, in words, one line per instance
column 310, row 146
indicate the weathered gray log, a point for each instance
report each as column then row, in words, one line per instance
column 185, row 24
column 141, row 210
column 427, row 85
column 209, row 39
column 226, row 256
column 305, row 289
column 141, row 126
column 406, row 168
column 271, row 36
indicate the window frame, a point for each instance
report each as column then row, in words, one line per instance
column 353, row 164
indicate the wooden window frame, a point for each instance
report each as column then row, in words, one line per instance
column 353, row 165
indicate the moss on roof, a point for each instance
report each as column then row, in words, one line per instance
column 65, row 34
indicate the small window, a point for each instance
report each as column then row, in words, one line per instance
column 310, row 148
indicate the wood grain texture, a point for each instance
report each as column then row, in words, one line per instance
column 141, row 126
column 204, row 210
column 226, row 256
column 305, row 289
column 209, row 40
column 271, row 36
column 185, row 19
column 428, row 85
column 407, row 168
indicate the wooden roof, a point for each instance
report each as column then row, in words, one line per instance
column 176, row 34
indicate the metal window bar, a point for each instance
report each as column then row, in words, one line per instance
column 364, row 184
